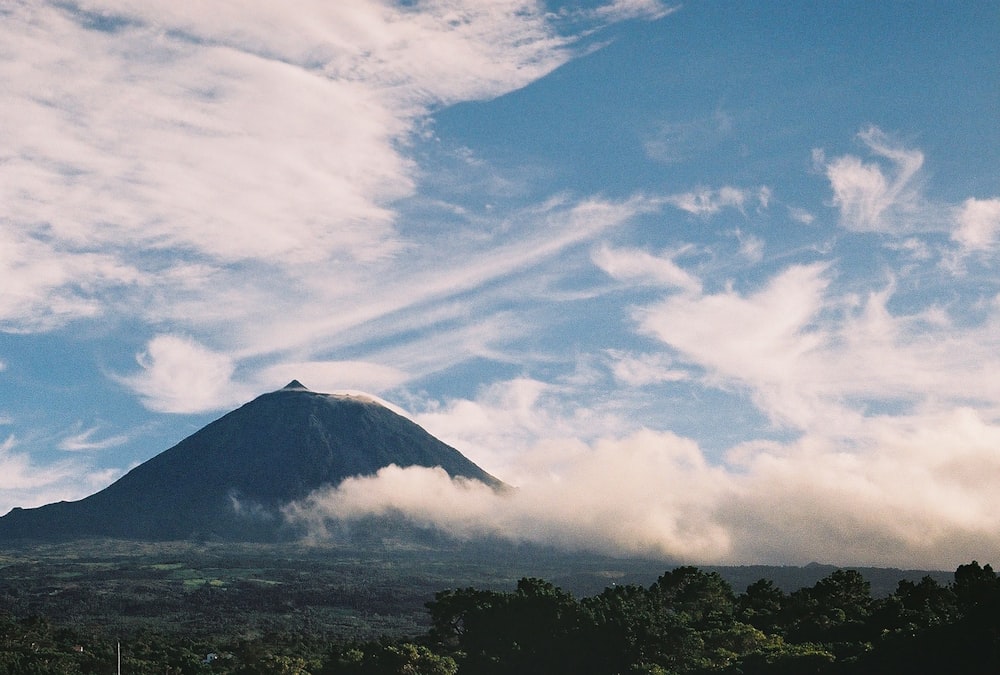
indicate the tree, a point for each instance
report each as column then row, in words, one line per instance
column 535, row 629
column 976, row 588
column 916, row 606
column 631, row 628
column 834, row 613
column 702, row 597
column 761, row 605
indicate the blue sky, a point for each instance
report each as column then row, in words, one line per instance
column 714, row 281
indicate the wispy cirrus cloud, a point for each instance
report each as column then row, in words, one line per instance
column 25, row 483
column 638, row 370
column 708, row 202
column 633, row 9
column 637, row 265
column 218, row 168
column 177, row 372
column 331, row 376
column 673, row 142
column 188, row 132
column 873, row 196
column 86, row 440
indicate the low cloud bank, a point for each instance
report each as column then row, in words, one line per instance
column 611, row 509
column 902, row 502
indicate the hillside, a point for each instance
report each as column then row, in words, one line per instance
column 228, row 480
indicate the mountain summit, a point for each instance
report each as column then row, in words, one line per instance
column 229, row 479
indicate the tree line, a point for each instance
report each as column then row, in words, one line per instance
column 688, row 622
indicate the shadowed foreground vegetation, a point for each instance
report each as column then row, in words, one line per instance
column 688, row 621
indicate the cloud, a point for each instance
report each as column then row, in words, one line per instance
column 225, row 139
column 633, row 9
column 675, row 142
column 760, row 341
column 708, row 202
column 801, row 215
column 908, row 495
column 507, row 428
column 639, row 370
column 47, row 285
column 331, row 376
column 872, row 197
column 637, row 265
column 605, row 502
column 751, row 246
column 235, row 176
column 977, row 224
column 84, row 441
column 914, row 490
column 179, row 375
column 27, row 484
column 802, row 351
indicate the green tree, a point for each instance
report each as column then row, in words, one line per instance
column 913, row 607
column 976, row 588
column 833, row 612
column 703, row 598
column 535, row 629
column 761, row 605
column 631, row 629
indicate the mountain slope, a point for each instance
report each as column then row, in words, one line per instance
column 227, row 480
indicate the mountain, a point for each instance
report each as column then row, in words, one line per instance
column 228, row 480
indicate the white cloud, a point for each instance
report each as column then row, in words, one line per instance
column 643, row 494
column 637, row 265
column 758, row 341
column 917, row 491
column 801, row 215
column 208, row 170
column 751, row 246
column 675, row 142
column 83, row 440
column 707, row 202
column 977, row 224
column 631, row 9
column 27, row 484
column 872, row 198
column 639, row 370
column 180, row 375
column 241, row 135
column 330, row 376
column 433, row 287
column 806, row 354
column 516, row 429
column 909, row 495
column 46, row 286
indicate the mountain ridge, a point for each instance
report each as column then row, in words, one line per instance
column 229, row 479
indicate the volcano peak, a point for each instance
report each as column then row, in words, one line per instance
column 230, row 479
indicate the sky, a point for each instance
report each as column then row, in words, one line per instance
column 715, row 282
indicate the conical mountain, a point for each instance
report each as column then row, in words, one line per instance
column 229, row 479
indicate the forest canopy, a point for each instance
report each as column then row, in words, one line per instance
column 689, row 621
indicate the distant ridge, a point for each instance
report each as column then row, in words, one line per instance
column 228, row 480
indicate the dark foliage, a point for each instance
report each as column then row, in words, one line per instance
column 274, row 619
column 690, row 621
